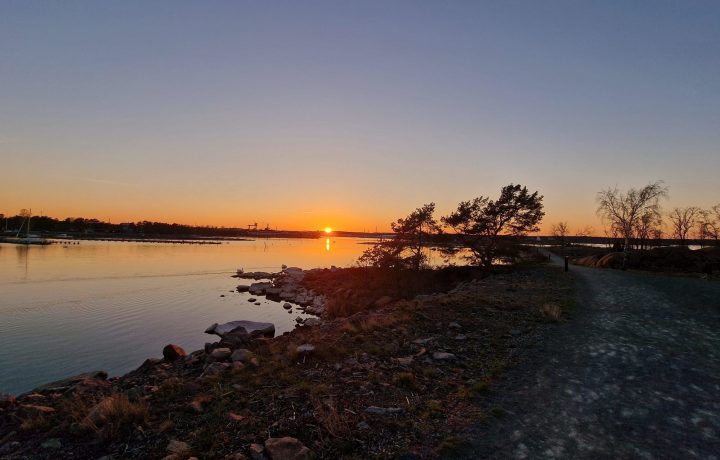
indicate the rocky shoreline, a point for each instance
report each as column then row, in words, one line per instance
column 405, row 377
column 285, row 285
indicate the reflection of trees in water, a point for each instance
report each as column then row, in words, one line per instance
column 22, row 257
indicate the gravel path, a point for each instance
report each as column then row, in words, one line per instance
column 635, row 374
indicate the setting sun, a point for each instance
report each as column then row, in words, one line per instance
column 328, row 230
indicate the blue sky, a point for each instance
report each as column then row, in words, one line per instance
column 306, row 114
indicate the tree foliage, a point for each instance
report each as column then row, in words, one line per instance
column 405, row 249
column 481, row 223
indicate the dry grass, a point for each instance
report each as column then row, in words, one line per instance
column 335, row 423
column 552, row 311
column 116, row 417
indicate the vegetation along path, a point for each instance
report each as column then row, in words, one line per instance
column 634, row 374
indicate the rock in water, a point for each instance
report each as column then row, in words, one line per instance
column 171, row 352
column 287, row 448
column 249, row 328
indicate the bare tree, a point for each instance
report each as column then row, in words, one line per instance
column 682, row 221
column 709, row 223
column 624, row 210
column 646, row 226
column 585, row 232
column 559, row 232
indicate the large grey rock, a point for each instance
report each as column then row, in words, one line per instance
column 249, row 328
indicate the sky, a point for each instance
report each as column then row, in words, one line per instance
column 307, row 114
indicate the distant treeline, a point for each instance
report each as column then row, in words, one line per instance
column 80, row 225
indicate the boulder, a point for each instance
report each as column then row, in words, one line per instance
column 171, row 352
column 243, row 288
column 287, row 448
column 259, row 288
column 256, row 275
column 220, row 354
column 241, row 355
column 312, row 322
column 243, row 328
column 70, row 382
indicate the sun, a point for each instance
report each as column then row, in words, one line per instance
column 328, row 230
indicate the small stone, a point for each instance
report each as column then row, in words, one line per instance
column 454, row 325
column 406, row 361
column 312, row 322
column 382, row 301
column 299, row 320
column 515, row 332
column 221, row 354
column 374, row 410
column 52, row 443
column 287, row 448
column 442, row 356
column 305, row 349
column 243, row 288
column 461, row 337
column 241, row 355
column 178, row 447
column 287, row 306
column 257, row 452
column 252, row 299
column 423, row 341
column 172, row 352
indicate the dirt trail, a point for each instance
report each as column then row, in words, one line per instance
column 635, row 374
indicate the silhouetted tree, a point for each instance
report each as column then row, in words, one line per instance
column 624, row 210
column 482, row 222
column 559, row 232
column 709, row 223
column 405, row 249
column 682, row 221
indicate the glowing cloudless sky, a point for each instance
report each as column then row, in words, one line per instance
column 304, row 115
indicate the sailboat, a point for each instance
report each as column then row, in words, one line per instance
column 28, row 238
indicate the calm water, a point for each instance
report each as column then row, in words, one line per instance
column 109, row 305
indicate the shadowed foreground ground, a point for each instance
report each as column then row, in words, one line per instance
column 635, row 374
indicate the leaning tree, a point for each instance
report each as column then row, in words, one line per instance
column 481, row 223
column 406, row 248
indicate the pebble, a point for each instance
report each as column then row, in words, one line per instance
column 442, row 356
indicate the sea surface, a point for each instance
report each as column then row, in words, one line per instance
column 97, row 305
